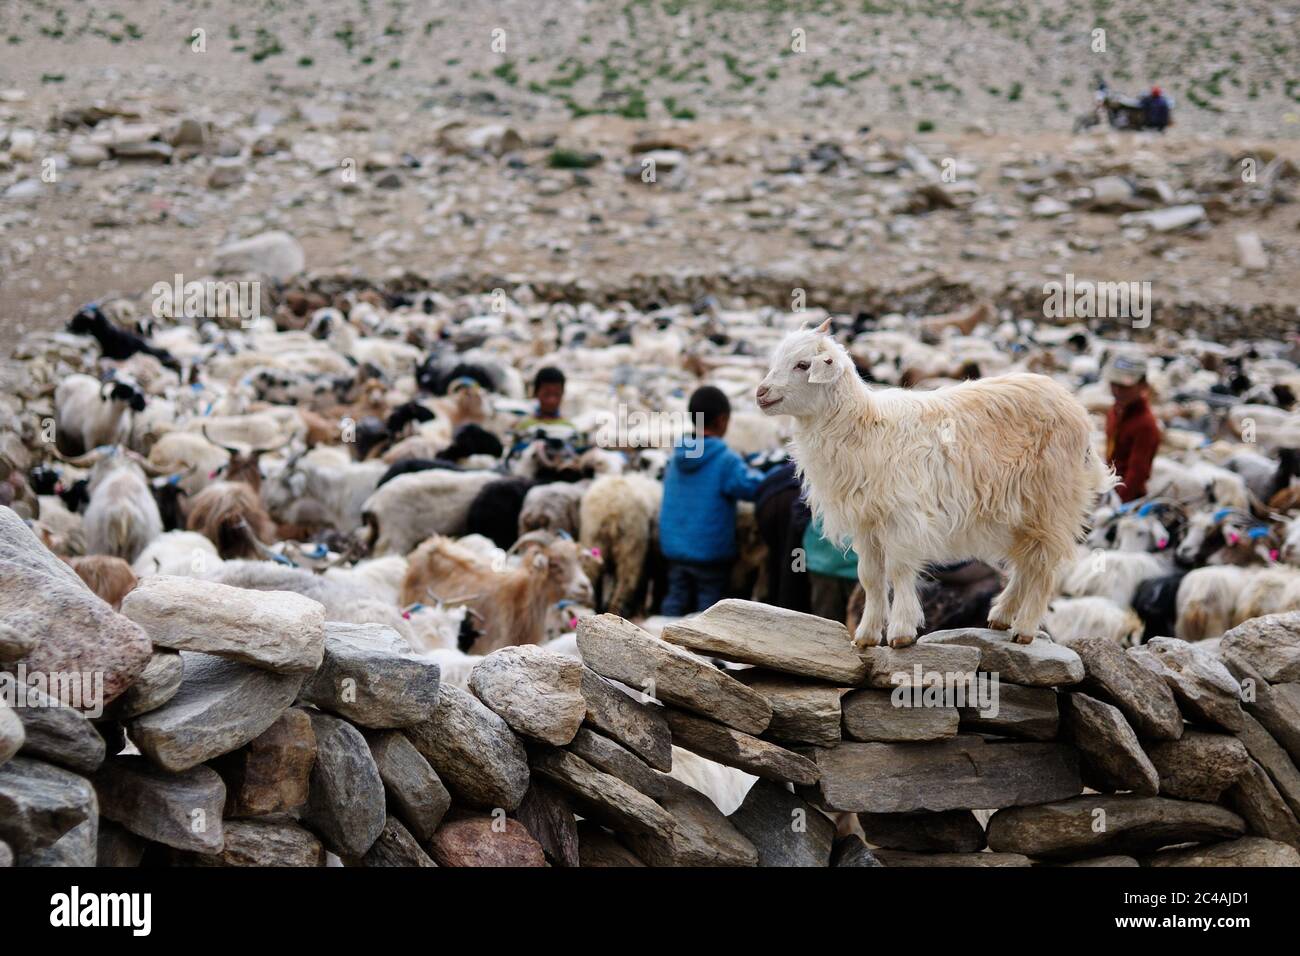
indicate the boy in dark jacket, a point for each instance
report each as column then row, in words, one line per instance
column 1132, row 433
column 697, row 521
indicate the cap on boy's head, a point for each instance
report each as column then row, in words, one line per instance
column 548, row 375
column 710, row 404
column 1126, row 370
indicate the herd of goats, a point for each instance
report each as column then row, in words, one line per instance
column 364, row 451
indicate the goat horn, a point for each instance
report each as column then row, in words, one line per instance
column 87, row 460
column 227, row 448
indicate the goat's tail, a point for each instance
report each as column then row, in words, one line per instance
column 119, row 535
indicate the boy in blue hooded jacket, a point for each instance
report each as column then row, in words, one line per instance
column 697, row 521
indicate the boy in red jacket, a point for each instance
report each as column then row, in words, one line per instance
column 1132, row 433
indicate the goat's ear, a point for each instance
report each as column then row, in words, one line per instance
column 824, row 370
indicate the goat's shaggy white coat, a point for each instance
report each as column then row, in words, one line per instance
column 999, row 469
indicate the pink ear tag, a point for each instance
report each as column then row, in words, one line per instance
column 595, row 552
column 1233, row 537
column 1272, row 554
column 1162, row 543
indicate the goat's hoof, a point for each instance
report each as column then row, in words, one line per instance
column 998, row 625
column 902, row 640
column 1023, row 638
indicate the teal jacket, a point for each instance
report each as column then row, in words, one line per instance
column 824, row 557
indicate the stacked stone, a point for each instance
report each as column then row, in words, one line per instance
column 240, row 728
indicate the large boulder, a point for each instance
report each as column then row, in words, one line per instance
column 772, row 637
column 1270, row 644
column 182, row 810
column 1115, row 677
column 1096, row 824
column 276, row 254
column 369, row 675
column 276, row 630
column 537, row 692
column 1112, row 757
column 346, row 803
column 621, row 651
column 474, row 751
column 80, row 636
column 221, row 705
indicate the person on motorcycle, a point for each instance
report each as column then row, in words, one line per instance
column 1155, row 110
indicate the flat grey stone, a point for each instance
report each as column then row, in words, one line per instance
column 1030, row 713
column 276, row 630
column 1255, row 797
column 804, row 711
column 1040, row 663
column 963, row 773
column 1198, row 765
column 611, row 757
column 1096, row 824
column 904, row 858
column 221, row 705
column 1205, row 690
column 1246, row 851
column 700, row 836
column 614, row 648
column 537, row 692
column 474, row 752
column 637, row 725
column 182, row 810
column 784, row 829
column 871, row 715
column 415, row 794
column 156, row 685
column 279, row 843
column 775, row 638
column 889, row 667
column 1112, row 757
column 733, row 748
column 346, row 804
column 851, row 851
column 1145, row 699
column 39, row 803
column 396, row 847
column 369, row 676
column 546, row 814
column 1270, row 644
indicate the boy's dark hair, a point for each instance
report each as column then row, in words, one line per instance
column 549, row 375
column 710, row 403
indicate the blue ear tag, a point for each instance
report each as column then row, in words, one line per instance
column 563, row 603
column 174, row 479
column 281, row 559
column 417, row 606
column 1258, row 531
column 319, row 551
column 1124, row 507
column 1146, row 509
column 1221, row 514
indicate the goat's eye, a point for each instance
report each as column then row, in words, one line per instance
column 801, row 366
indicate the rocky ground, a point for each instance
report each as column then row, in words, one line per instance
column 924, row 149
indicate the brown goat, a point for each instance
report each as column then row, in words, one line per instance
column 244, row 465
column 231, row 516
column 111, row 578
column 511, row 602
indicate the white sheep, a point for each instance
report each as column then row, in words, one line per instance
column 617, row 518
column 179, row 554
column 1207, row 601
column 998, row 469
column 412, row 507
column 1073, row 618
column 1115, row 575
column 122, row 517
column 89, row 413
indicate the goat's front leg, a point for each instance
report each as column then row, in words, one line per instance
column 905, row 613
column 871, row 575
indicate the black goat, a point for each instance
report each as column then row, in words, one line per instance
column 114, row 343
column 472, row 439
column 494, row 512
column 409, row 465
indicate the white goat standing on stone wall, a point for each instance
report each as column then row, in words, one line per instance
column 999, row 469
